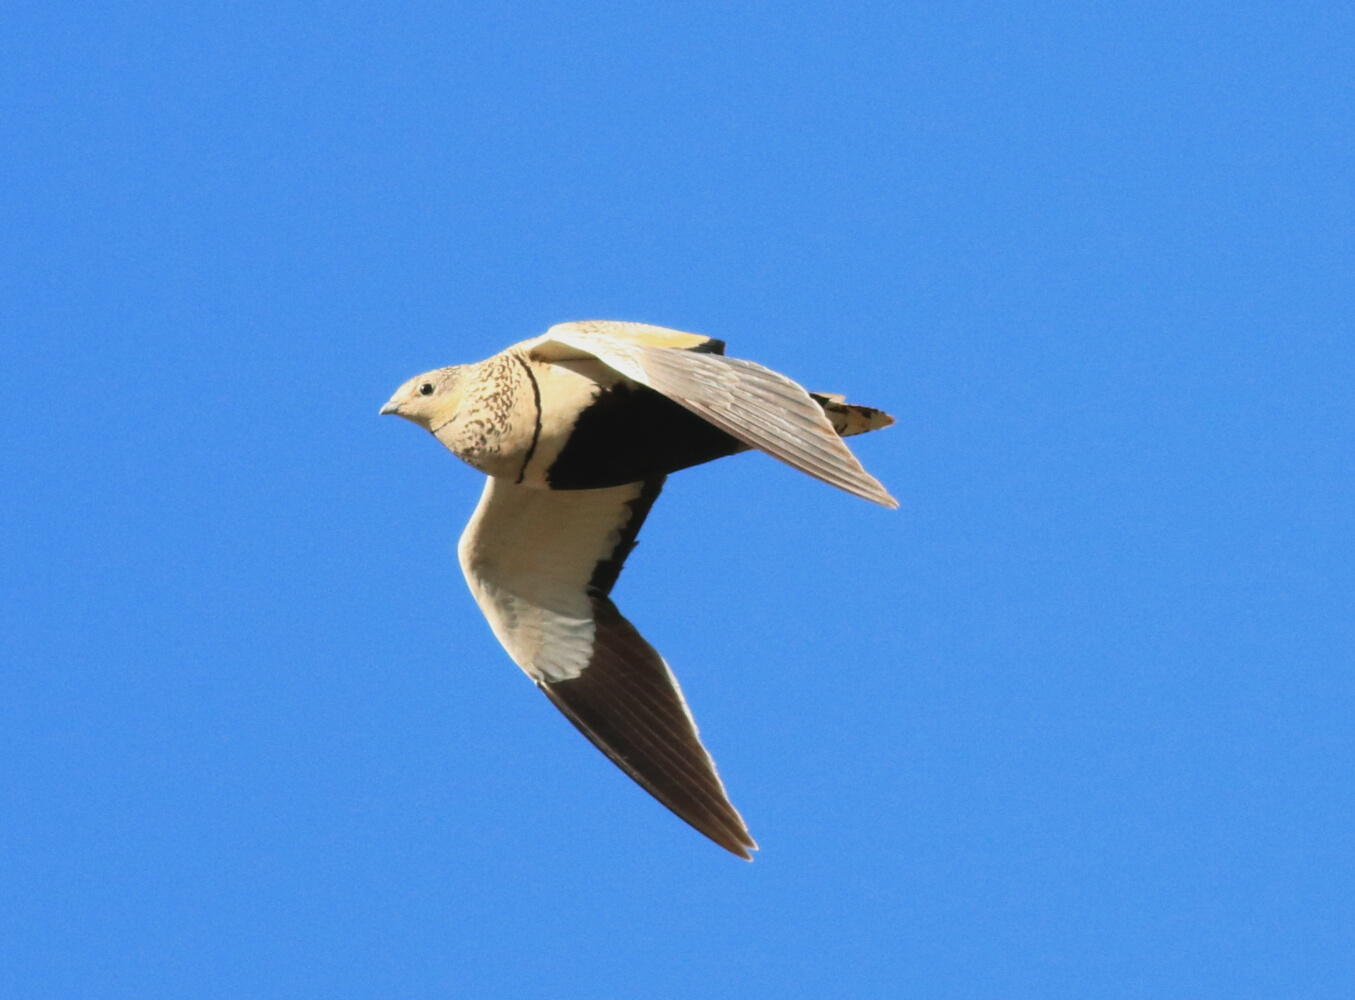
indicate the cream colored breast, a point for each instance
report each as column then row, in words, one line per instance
column 494, row 426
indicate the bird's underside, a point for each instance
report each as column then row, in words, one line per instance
column 577, row 430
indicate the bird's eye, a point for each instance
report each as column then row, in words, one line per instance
column 426, row 389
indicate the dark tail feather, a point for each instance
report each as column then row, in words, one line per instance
column 848, row 418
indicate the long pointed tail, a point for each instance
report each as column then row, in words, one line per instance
column 848, row 418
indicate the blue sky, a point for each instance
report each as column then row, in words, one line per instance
column 1075, row 721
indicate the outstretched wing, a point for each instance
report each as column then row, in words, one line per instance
column 541, row 565
column 759, row 407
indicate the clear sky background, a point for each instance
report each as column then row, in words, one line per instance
column 1074, row 722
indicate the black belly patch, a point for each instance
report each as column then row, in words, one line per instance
column 631, row 433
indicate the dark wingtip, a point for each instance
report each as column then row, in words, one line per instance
column 628, row 704
column 738, row 842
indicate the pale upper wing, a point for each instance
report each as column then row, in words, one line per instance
column 541, row 565
column 756, row 405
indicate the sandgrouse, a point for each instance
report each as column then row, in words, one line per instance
column 577, row 430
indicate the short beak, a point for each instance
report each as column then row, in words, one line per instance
column 391, row 407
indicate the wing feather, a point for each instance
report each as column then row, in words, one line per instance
column 629, row 704
column 760, row 407
column 540, row 564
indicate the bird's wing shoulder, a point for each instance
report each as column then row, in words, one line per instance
column 541, row 564
column 555, row 344
column 756, row 405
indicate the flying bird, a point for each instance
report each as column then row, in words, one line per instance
column 577, row 430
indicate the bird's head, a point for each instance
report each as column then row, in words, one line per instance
column 430, row 399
